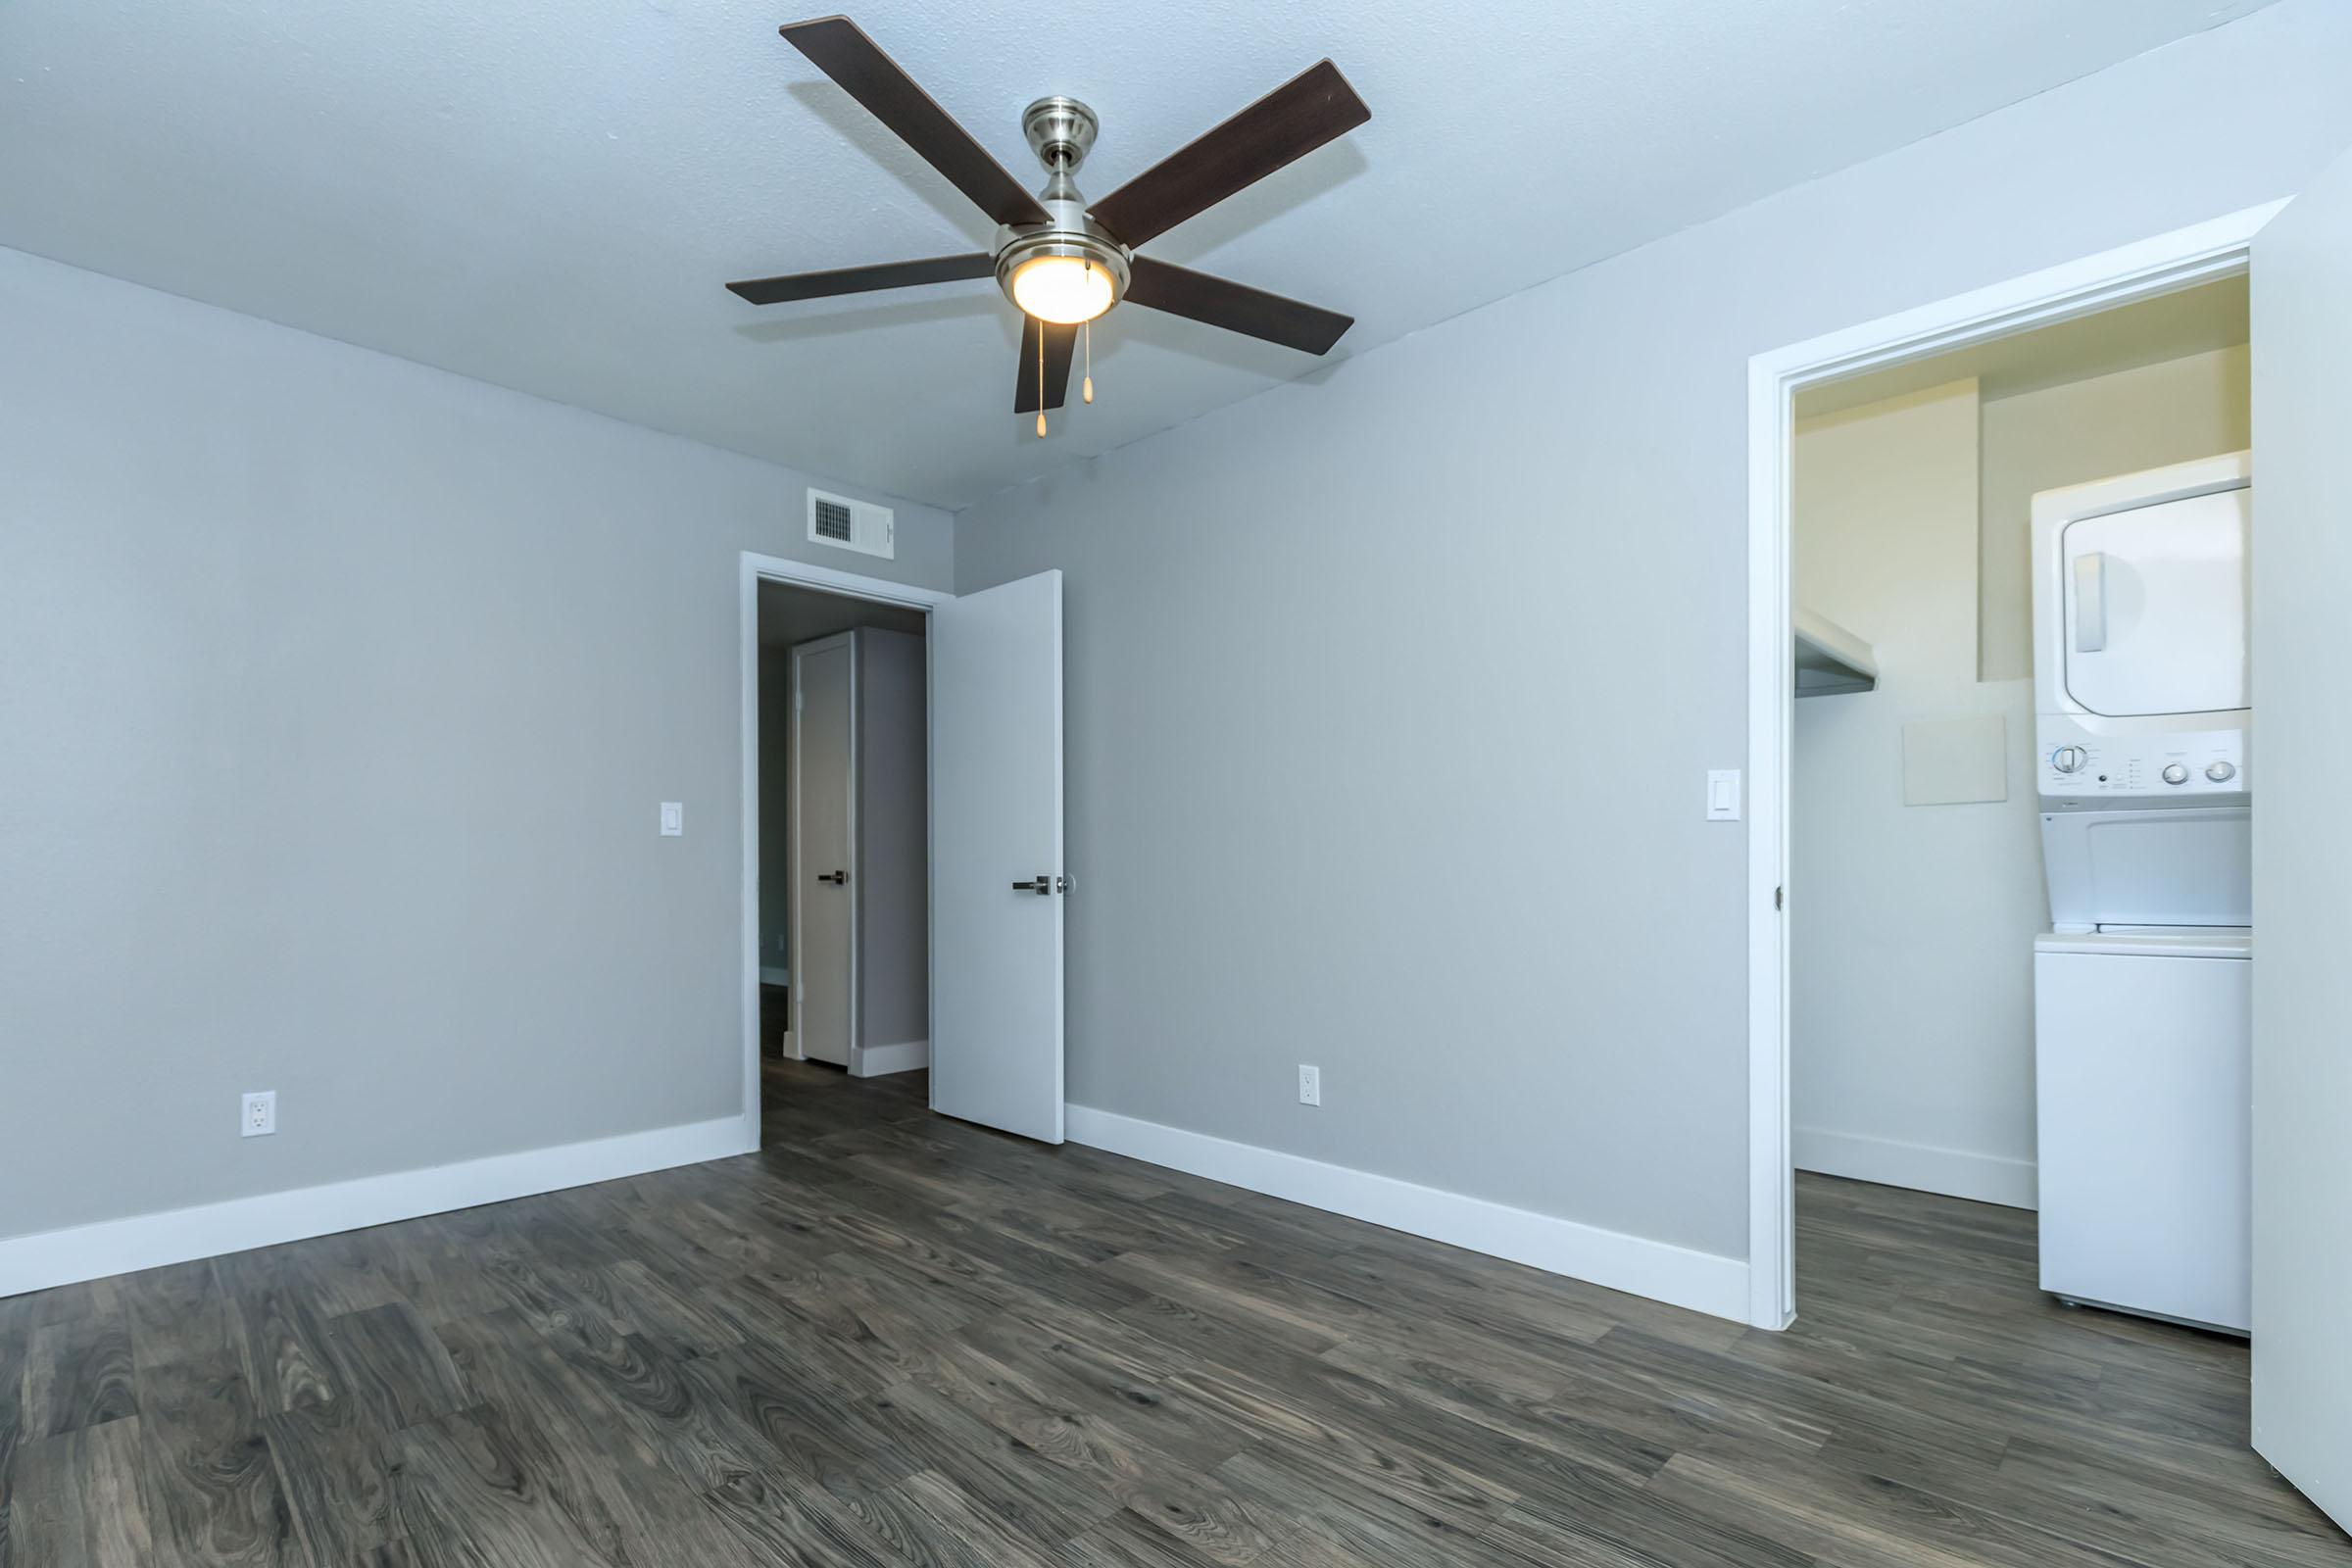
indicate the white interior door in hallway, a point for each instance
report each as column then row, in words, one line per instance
column 825, row 750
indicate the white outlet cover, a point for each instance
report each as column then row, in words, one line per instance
column 257, row 1114
column 1310, row 1085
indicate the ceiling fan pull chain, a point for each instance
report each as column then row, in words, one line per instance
column 1087, row 391
column 1041, row 380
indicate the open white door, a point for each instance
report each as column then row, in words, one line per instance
column 996, row 883
column 2302, row 842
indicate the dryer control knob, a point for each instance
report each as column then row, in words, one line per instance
column 2068, row 758
column 2175, row 774
column 2220, row 772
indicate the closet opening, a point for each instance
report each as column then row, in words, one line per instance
column 2018, row 866
column 843, row 813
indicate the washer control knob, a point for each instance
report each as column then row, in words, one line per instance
column 2220, row 772
column 2175, row 774
column 2068, row 758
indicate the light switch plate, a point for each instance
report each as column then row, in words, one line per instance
column 1723, row 794
column 673, row 818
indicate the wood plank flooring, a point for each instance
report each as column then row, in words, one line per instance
column 892, row 1340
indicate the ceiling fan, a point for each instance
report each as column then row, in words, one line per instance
column 1059, row 260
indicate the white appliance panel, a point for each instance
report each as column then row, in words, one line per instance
column 2079, row 765
column 2143, row 1069
column 2156, row 606
column 2190, row 867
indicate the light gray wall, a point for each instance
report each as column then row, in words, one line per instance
column 1911, row 1010
column 1462, row 866
column 2171, row 412
column 338, row 696
column 893, row 841
column 2302, row 844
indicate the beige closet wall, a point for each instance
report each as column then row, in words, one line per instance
column 1911, row 926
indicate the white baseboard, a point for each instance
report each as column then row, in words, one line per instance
column 1922, row 1167
column 906, row 1055
column 45, row 1258
column 1700, row 1281
column 774, row 975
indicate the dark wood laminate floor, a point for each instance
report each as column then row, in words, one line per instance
column 893, row 1339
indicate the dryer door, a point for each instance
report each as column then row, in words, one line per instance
column 2156, row 606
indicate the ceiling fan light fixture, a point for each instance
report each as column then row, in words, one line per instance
column 1059, row 263
column 1062, row 289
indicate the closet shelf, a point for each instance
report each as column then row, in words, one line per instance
column 1830, row 660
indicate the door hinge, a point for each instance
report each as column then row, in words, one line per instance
column 1779, row 900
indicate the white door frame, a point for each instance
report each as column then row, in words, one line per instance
column 2213, row 248
column 796, row 775
column 755, row 569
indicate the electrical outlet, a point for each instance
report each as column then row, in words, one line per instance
column 260, row 1115
column 1310, row 1085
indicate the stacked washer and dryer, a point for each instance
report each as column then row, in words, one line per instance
column 2142, row 994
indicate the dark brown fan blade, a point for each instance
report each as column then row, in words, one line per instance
column 863, row 279
column 842, row 51
column 1285, row 124
column 1060, row 341
column 1235, row 306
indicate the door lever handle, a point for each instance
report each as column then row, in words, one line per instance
column 1041, row 886
column 837, row 878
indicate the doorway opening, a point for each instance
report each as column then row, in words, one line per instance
column 2147, row 271
column 844, row 815
column 2020, row 824
column 928, row 793
column 836, row 770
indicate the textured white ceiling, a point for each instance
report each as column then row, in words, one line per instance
column 547, row 194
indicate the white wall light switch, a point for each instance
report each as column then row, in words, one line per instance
column 257, row 1117
column 1723, row 794
column 673, row 818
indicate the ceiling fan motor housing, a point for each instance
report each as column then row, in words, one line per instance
column 1061, row 132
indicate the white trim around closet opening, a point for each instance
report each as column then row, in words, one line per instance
column 2201, row 252
column 754, row 569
